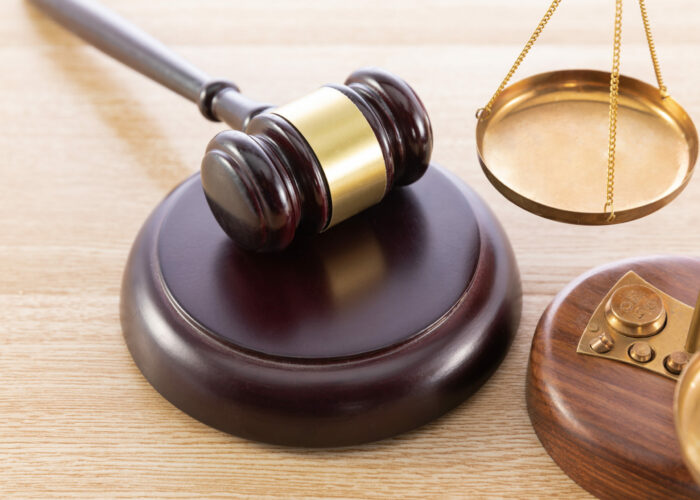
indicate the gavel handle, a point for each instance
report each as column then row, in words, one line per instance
column 218, row 100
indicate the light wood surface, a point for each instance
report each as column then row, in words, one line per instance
column 87, row 148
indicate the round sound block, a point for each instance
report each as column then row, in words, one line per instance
column 373, row 328
column 607, row 424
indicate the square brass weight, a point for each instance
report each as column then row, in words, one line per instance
column 638, row 324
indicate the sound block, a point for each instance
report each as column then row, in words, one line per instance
column 368, row 330
column 607, row 424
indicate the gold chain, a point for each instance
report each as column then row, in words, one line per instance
column 486, row 110
column 652, row 49
column 614, row 91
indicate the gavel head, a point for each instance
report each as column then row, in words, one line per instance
column 313, row 163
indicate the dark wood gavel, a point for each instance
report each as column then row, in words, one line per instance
column 301, row 167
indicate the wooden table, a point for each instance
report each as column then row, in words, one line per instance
column 88, row 149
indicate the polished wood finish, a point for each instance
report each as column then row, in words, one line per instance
column 266, row 185
column 79, row 419
column 379, row 325
column 608, row 425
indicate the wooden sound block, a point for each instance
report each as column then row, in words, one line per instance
column 373, row 328
column 607, row 424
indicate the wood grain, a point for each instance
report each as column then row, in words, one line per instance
column 89, row 148
column 609, row 425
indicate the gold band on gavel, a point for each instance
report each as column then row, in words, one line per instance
column 345, row 146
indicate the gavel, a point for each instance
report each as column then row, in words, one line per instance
column 298, row 168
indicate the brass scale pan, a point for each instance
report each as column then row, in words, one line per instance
column 687, row 415
column 542, row 141
column 544, row 146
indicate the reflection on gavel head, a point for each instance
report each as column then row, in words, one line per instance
column 318, row 278
column 315, row 162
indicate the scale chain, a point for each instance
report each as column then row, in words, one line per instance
column 652, row 49
column 614, row 93
column 486, row 110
